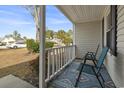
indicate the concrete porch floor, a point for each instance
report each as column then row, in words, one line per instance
column 11, row 81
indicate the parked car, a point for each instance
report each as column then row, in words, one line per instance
column 17, row 45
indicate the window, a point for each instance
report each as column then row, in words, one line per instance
column 111, row 30
column 103, row 32
column 108, row 39
column 20, row 43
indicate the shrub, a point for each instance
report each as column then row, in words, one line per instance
column 35, row 47
column 32, row 46
column 29, row 43
column 49, row 44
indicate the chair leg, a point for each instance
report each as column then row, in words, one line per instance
column 94, row 63
column 98, row 78
column 80, row 72
column 99, row 81
column 102, row 77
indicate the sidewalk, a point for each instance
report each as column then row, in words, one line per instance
column 11, row 81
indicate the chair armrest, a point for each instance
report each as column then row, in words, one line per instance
column 91, row 54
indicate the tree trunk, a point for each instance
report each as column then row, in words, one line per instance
column 37, row 34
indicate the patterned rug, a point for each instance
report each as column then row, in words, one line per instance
column 89, row 80
column 68, row 77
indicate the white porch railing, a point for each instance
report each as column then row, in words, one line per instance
column 57, row 59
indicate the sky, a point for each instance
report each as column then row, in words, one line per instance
column 18, row 18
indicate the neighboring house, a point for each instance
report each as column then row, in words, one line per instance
column 58, row 42
column 0, row 39
column 10, row 40
column 20, row 40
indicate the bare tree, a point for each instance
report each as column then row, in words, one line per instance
column 35, row 10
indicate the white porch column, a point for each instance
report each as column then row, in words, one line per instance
column 74, row 39
column 42, row 48
column 74, row 34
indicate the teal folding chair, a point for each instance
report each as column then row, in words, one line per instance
column 96, row 69
column 92, row 55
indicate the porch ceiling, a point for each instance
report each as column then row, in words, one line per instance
column 83, row 13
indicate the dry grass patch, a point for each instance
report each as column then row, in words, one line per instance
column 19, row 63
column 11, row 57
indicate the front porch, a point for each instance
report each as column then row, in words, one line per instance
column 59, row 67
column 62, row 70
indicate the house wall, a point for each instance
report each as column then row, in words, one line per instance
column 88, row 34
column 115, row 65
column 8, row 40
column 87, row 37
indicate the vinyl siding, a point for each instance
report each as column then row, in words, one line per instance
column 115, row 65
column 87, row 36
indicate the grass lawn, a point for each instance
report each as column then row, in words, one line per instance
column 9, row 57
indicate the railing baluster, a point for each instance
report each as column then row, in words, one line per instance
column 53, row 65
column 48, row 68
column 61, row 56
column 67, row 54
column 56, row 59
column 70, row 53
column 74, row 51
column 64, row 56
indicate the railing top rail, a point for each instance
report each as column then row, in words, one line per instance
column 59, row 47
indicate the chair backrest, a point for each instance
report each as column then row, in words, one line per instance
column 97, row 50
column 102, row 57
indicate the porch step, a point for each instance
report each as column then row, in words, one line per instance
column 11, row 81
